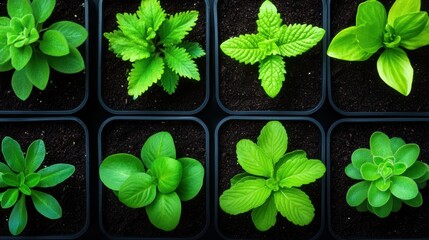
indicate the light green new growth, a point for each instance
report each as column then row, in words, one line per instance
column 273, row 41
column 154, row 42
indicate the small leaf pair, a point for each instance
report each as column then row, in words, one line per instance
column 157, row 181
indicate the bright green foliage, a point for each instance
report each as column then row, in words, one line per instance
column 390, row 175
column 157, row 181
column 405, row 26
column 273, row 41
column 154, row 42
column 20, row 179
column 271, row 180
column 32, row 49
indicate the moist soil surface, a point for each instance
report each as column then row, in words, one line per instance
column 64, row 92
column 65, row 143
column 357, row 87
column 301, row 135
column 347, row 222
column 239, row 86
column 189, row 95
column 129, row 137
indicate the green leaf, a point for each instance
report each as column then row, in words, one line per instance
column 32, row 179
column 241, row 177
column 117, row 168
column 70, row 63
column 369, row 171
column 160, row 144
column 132, row 27
column 244, row 196
column 345, row 46
column 54, row 44
column 10, row 179
column 176, row 27
column 55, row 174
column 46, row 204
column 361, row 156
column 18, row 217
column 12, row 154
column 19, row 8
column 244, row 48
column 7, row 66
column 272, row 74
column 167, row 173
column 371, row 20
column 273, row 140
column 4, row 51
column 192, row 179
column 295, row 205
column 407, row 154
column 144, row 74
column 169, row 80
column 382, row 185
column 410, row 25
column 20, row 56
column 417, row 170
column 376, row 197
column 42, row 9
column 296, row 39
column 397, row 204
column 396, row 143
column 253, row 159
column 385, row 210
column 402, row 7
column 353, row 172
column 193, row 49
column 357, row 193
column 362, row 207
column 139, row 190
column 289, row 156
column 422, row 39
column 10, row 196
column 380, row 145
column 74, row 33
column 264, row 216
column 415, row 202
column 269, row 20
column 152, row 14
column 164, row 212
column 395, row 70
column 4, row 169
column 298, row 172
column 35, row 155
column 21, row 85
column 37, row 70
column 128, row 48
column 403, row 188
column 399, row 168
column 181, row 63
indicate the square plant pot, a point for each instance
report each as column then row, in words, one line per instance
column 356, row 89
column 127, row 135
column 345, row 222
column 303, row 133
column 65, row 93
column 189, row 97
column 238, row 89
column 66, row 141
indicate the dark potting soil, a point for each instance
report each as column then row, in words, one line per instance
column 189, row 95
column 347, row 222
column 357, row 87
column 239, row 86
column 64, row 92
column 65, row 143
column 301, row 135
column 129, row 137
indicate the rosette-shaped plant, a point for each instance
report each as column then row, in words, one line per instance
column 390, row 174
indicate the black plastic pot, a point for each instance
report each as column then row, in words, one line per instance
column 303, row 133
column 345, row 222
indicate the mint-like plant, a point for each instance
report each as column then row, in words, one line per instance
column 390, row 175
column 154, row 42
column 271, row 180
column 273, row 41
column 32, row 49
column 157, row 181
column 404, row 27
column 20, row 179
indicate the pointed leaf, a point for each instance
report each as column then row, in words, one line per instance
column 169, row 80
column 128, row 48
column 144, row 74
column 132, row 27
column 54, row 44
column 176, row 27
column 402, row 7
column 20, row 56
column 18, row 217
column 380, row 145
column 37, row 70
column 21, row 85
column 376, row 197
column 345, row 46
column 298, row 172
column 151, row 12
column 12, row 154
column 193, row 49
column 160, row 144
column 410, row 25
column 46, row 205
column 422, row 39
column 70, row 63
column 244, row 49
column 19, row 8
column 74, row 33
column 289, row 156
column 42, row 9
column 164, row 212
column 35, row 155
column 55, row 174
column 353, row 172
column 295, row 205
column 139, row 190
column 181, row 63
column 253, row 159
column 241, row 177
column 273, row 140
column 32, row 179
column 11, row 179
column 272, row 74
column 10, row 196
column 403, row 188
column 297, row 39
column 264, row 216
column 167, row 173
column 357, row 193
column 371, row 20
column 192, row 179
column 396, row 143
column 269, row 20
column 407, row 154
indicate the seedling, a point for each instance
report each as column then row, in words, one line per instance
column 157, row 181
column 390, row 175
column 273, row 41
column 19, row 179
column 154, row 42
column 32, row 49
column 404, row 27
column 271, row 180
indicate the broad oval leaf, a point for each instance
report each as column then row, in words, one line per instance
column 175, row 28
column 10, row 196
column 295, row 205
column 407, row 154
column 273, row 140
column 144, row 74
column 253, row 160
column 164, row 212
column 369, row 172
column 382, row 185
column 117, row 168
column 296, row 39
column 410, row 25
column 54, row 44
column 181, row 63
column 160, row 144
column 12, row 154
column 396, row 143
column 289, row 156
column 371, row 19
column 38, row 71
column 345, row 46
column 272, row 74
column 402, row 7
column 167, row 173
column 70, row 63
column 399, row 168
column 384, row 210
column 297, row 172
column 417, row 170
column 18, row 217
column 42, row 9
column 20, row 56
column 380, row 145
column 361, row 156
column 357, row 193
column 269, row 20
column 397, row 204
column 21, row 85
column 244, row 48
column 35, row 155
column 353, row 172
column 376, row 197
column 192, row 179
column 19, row 8
column 74, row 33
column 55, row 174
column 139, row 190
column 264, row 216
column 415, row 202
column 46, row 204
column 403, row 188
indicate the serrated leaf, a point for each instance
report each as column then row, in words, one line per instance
column 296, row 39
column 194, row 49
column 46, row 204
column 38, row 71
column 139, row 190
column 357, row 193
column 181, row 63
column 192, row 179
column 273, row 140
column 21, row 85
column 131, row 26
column 12, row 154
column 264, row 217
column 176, row 27
column 42, row 9
column 74, row 33
column 272, row 74
column 164, row 212
column 244, row 48
column 18, row 217
column 345, row 46
column 401, row 7
column 295, row 205
column 144, row 74
column 297, row 172
column 269, row 20
column 128, row 48
column 169, row 80
column 160, row 144
column 253, row 159
column 151, row 12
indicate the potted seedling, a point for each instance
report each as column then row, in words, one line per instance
column 154, row 53
column 36, row 49
column 274, row 37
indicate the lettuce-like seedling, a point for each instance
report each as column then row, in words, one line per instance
column 20, row 179
column 404, row 27
column 390, row 175
column 32, row 49
column 271, row 180
column 157, row 181
column 154, row 42
column 273, row 41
